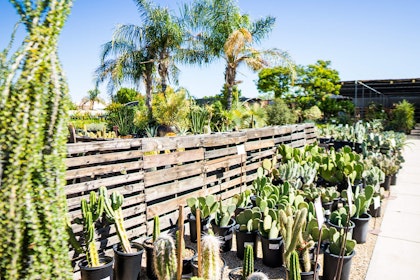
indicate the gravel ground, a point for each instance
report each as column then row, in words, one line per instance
column 360, row 261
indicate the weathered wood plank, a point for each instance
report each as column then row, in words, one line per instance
column 123, row 144
column 173, row 188
column 257, row 133
column 171, row 143
column 173, row 158
column 101, row 158
column 92, row 171
column 261, row 144
column 221, row 139
column 221, row 152
column 173, row 173
column 106, row 182
column 225, row 162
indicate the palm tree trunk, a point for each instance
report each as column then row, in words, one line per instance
column 230, row 76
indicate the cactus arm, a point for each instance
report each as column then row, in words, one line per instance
column 156, row 228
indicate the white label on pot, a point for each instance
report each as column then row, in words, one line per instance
column 248, row 243
column 376, row 202
column 350, row 198
column 106, row 278
column 241, row 149
column 319, row 212
column 228, row 237
column 274, row 246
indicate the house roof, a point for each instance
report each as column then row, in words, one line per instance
column 394, row 87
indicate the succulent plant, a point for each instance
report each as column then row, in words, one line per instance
column 290, row 171
column 91, row 211
column 336, row 239
column 156, row 228
column 340, row 217
column 165, row 259
column 328, row 194
column 249, row 219
column 224, row 213
column 207, row 205
column 113, row 212
column 248, row 264
column 210, row 257
column 294, row 267
column 362, row 199
column 242, row 199
column 270, row 225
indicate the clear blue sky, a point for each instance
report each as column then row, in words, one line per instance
column 375, row 39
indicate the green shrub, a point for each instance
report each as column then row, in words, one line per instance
column 402, row 117
column 279, row 113
column 312, row 114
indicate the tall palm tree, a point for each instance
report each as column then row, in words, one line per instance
column 136, row 53
column 238, row 50
column 219, row 23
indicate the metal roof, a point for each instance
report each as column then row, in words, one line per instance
column 394, row 87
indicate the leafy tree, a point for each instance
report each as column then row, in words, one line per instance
column 33, row 128
column 125, row 95
column 277, row 80
column 279, row 113
column 171, row 108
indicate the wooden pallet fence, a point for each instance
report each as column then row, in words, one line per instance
column 156, row 175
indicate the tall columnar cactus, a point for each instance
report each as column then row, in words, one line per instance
column 113, row 211
column 91, row 211
column 33, row 129
column 248, row 264
column 210, row 257
column 156, row 228
column 165, row 260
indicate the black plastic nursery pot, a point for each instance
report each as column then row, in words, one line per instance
column 127, row 266
column 375, row 212
column 104, row 271
column 272, row 251
column 387, row 184
column 349, row 229
column 310, row 274
column 225, row 233
column 205, row 225
column 393, row 180
column 244, row 238
column 361, row 227
column 186, row 261
column 331, row 266
column 150, row 270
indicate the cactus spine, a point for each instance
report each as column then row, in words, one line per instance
column 91, row 211
column 113, row 211
column 210, row 256
column 165, row 260
column 248, row 265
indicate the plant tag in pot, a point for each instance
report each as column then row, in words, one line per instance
column 248, row 243
column 319, row 212
column 376, row 202
column 274, row 246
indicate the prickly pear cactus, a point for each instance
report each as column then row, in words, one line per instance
column 33, row 130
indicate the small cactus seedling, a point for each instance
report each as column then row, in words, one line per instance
column 165, row 260
column 156, row 228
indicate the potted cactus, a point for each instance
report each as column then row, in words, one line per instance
column 212, row 263
column 223, row 225
column 242, row 273
column 271, row 240
column 93, row 267
column 165, row 259
column 242, row 201
column 246, row 230
column 340, row 249
column 340, row 219
column 128, row 255
column 207, row 206
column 148, row 245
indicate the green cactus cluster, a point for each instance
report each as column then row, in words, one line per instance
column 210, row 257
column 294, row 267
column 114, row 214
column 309, row 172
column 270, row 224
column 290, row 171
column 165, row 259
column 362, row 200
column 249, row 219
column 336, row 239
column 206, row 204
column 242, row 199
column 328, row 194
column 340, row 217
column 91, row 212
column 248, row 263
column 224, row 213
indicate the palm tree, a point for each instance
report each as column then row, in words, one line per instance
column 223, row 31
column 238, row 50
column 136, row 53
column 93, row 96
